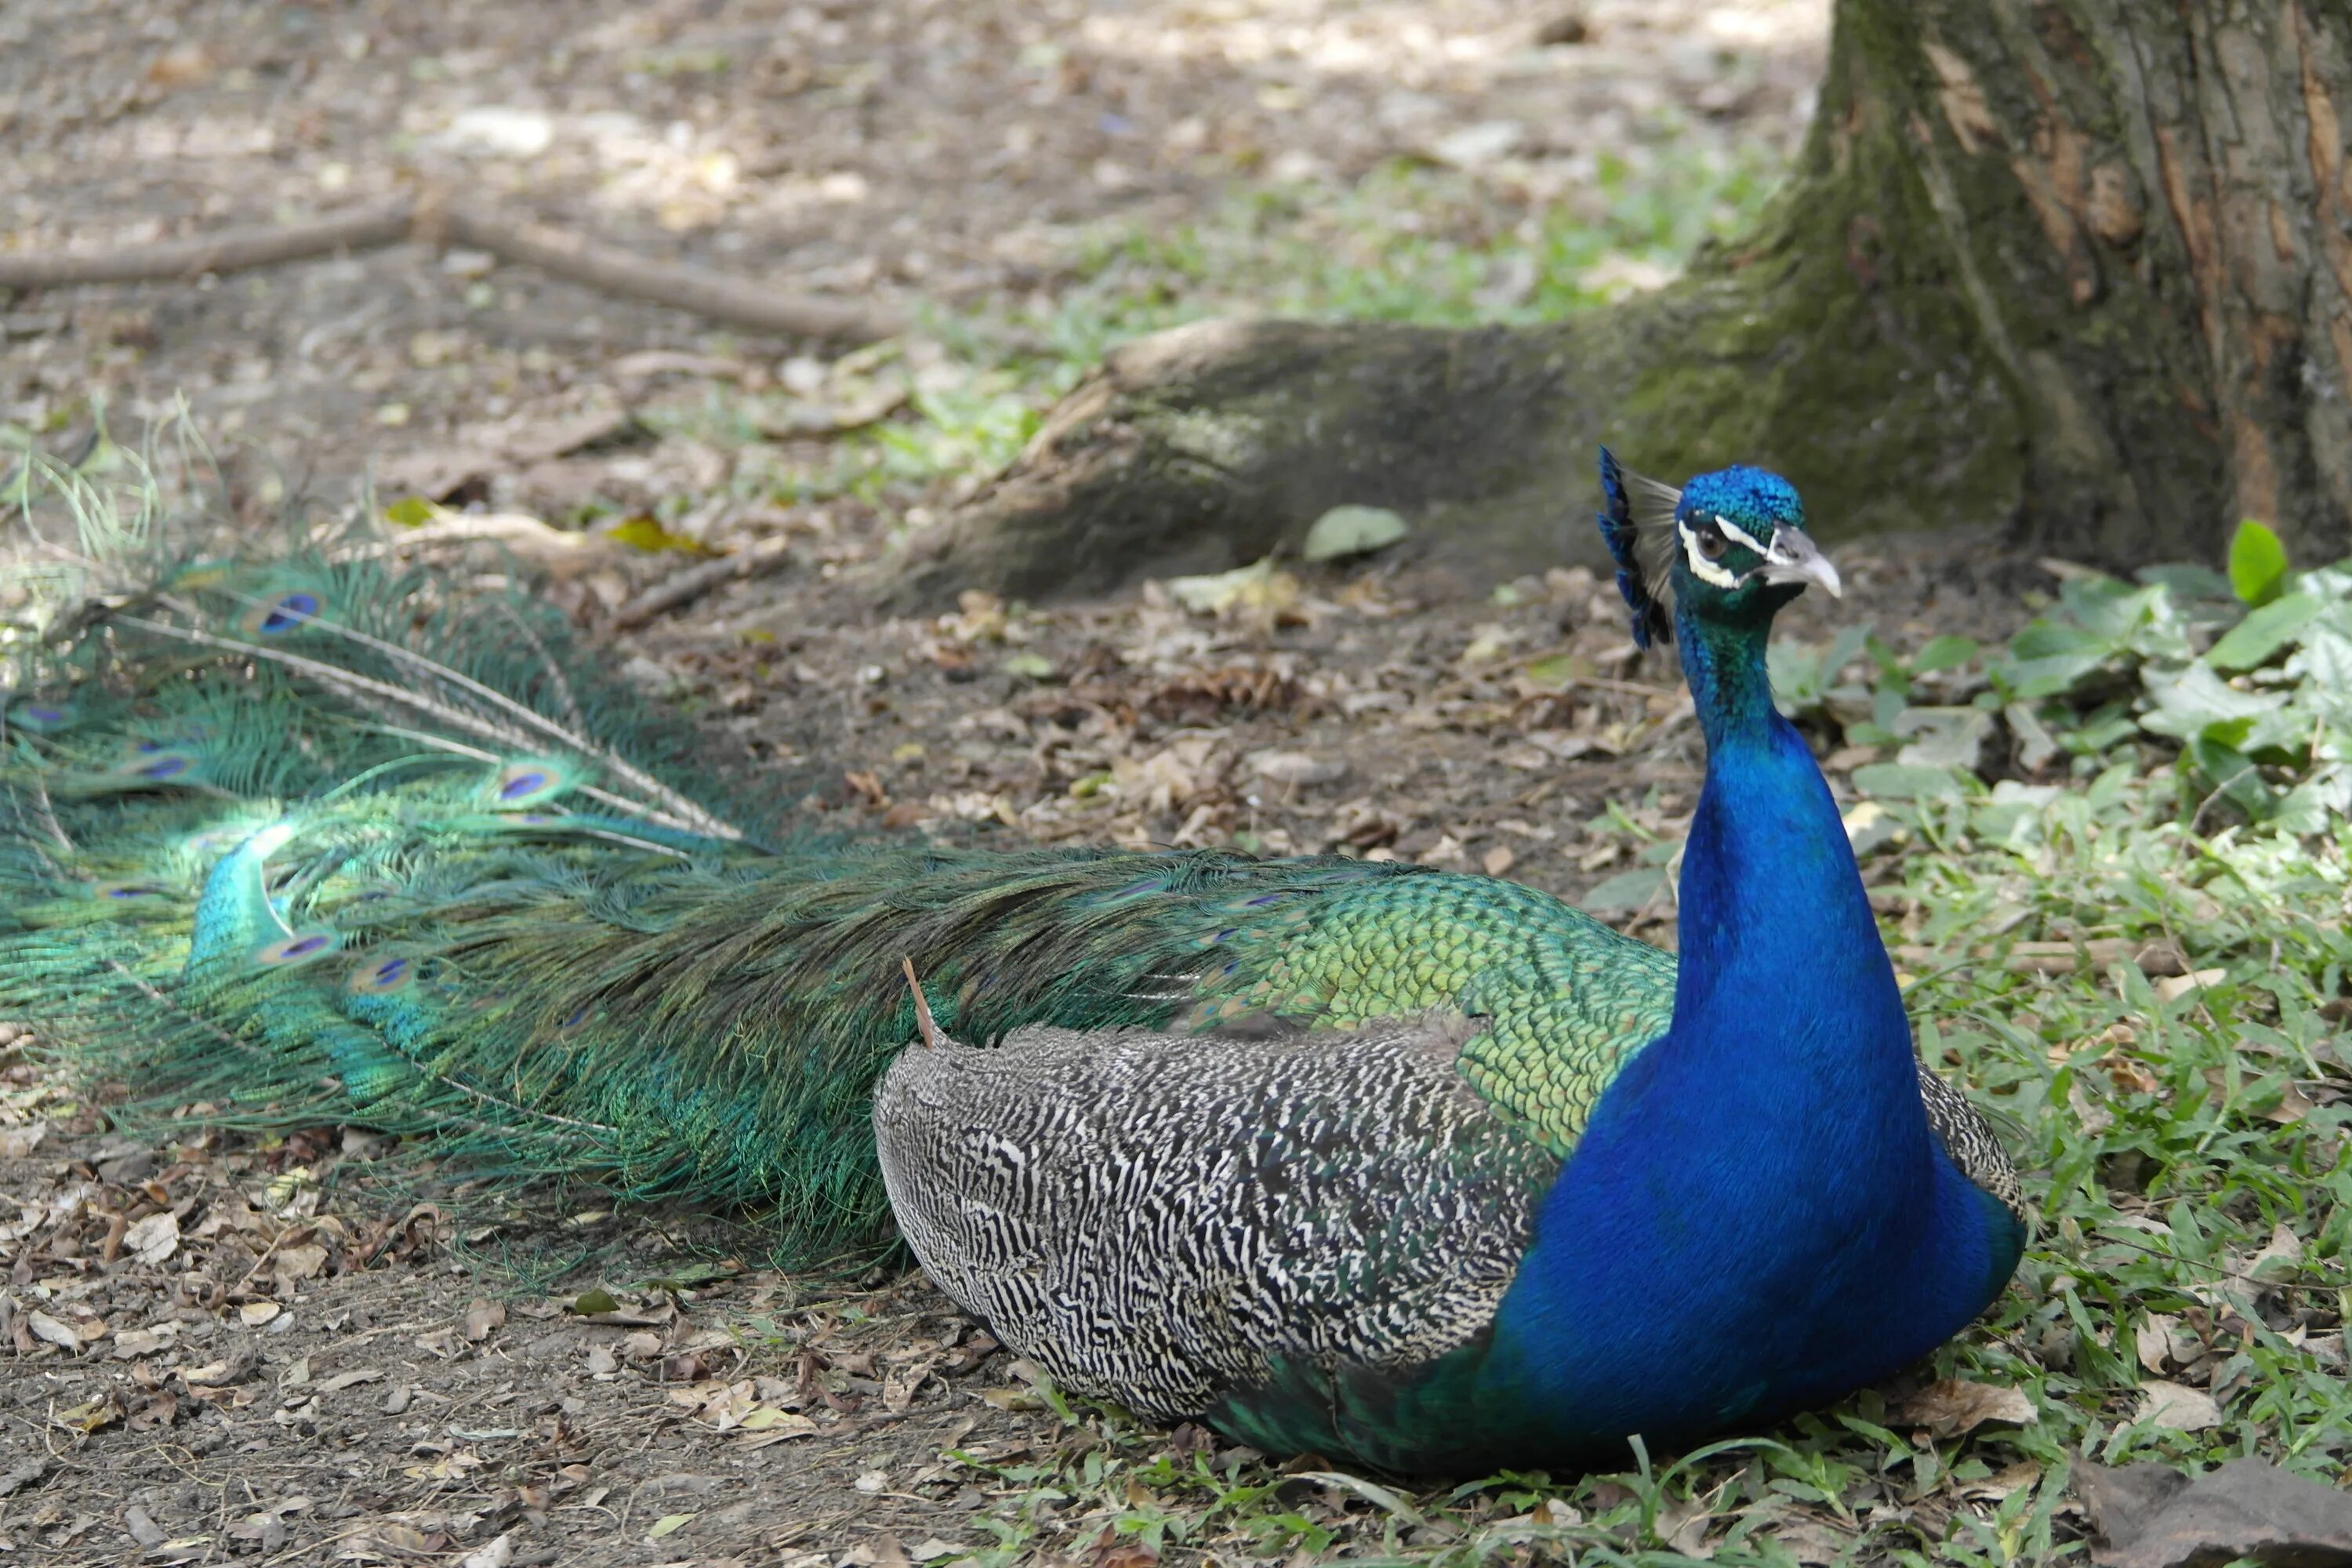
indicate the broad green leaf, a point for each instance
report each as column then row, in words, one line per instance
column 1949, row 738
column 2035, row 744
column 2232, row 774
column 2198, row 703
column 1944, row 653
column 2264, row 632
column 411, row 511
column 1906, row 781
column 1626, row 891
column 2053, row 674
column 2258, row 564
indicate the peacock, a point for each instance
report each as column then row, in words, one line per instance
column 1429, row 1172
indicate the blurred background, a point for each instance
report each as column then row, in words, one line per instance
column 1027, row 183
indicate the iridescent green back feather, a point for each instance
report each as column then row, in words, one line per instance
column 307, row 840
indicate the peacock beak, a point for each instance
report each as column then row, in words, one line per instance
column 1793, row 559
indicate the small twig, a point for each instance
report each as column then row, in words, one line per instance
column 683, row 587
column 721, row 299
column 435, row 218
column 230, row 250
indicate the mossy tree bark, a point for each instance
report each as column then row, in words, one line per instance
column 2079, row 268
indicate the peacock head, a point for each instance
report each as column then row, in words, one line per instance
column 1730, row 547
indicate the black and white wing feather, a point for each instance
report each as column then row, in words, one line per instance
column 1156, row 1219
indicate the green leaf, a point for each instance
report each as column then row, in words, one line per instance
column 1558, row 672
column 1031, row 665
column 643, row 531
column 2198, row 704
column 595, row 1299
column 2053, row 675
column 1353, row 531
column 667, row 1523
column 2258, row 564
column 1626, row 891
column 1942, row 738
column 2229, row 772
column 411, row 511
column 2264, row 632
column 1907, row 781
column 1944, row 653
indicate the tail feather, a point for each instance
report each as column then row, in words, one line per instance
column 308, row 839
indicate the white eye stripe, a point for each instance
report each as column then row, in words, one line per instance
column 1736, row 534
column 1703, row 568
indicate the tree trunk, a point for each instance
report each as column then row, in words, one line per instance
column 2081, row 268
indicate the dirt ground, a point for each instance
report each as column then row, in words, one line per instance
column 217, row 1348
column 218, row 1355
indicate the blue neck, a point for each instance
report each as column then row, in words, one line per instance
column 1773, row 914
column 1757, row 1216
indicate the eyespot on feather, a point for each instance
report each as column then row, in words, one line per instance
column 127, row 893
column 153, row 761
column 40, row 718
column 302, row 947
column 382, row 973
column 579, row 1019
column 529, row 782
column 281, row 611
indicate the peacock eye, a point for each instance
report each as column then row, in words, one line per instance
column 1712, row 544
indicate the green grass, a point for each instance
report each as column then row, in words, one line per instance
column 2181, row 1141
column 1409, row 242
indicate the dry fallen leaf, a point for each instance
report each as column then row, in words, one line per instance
column 292, row 1265
column 448, row 1467
column 484, row 1319
column 495, row 1553
column 56, row 1330
column 2280, row 1258
column 133, row 1342
column 1954, row 1407
column 2177, row 1406
column 2150, row 1516
column 2178, row 986
column 155, row 1239
column 1296, row 769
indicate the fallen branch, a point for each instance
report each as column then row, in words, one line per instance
column 231, row 250
column 430, row 220
column 684, row 587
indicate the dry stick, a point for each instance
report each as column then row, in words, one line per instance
column 432, row 220
column 683, row 587
column 231, row 250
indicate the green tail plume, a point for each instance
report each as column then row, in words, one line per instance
column 310, row 840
